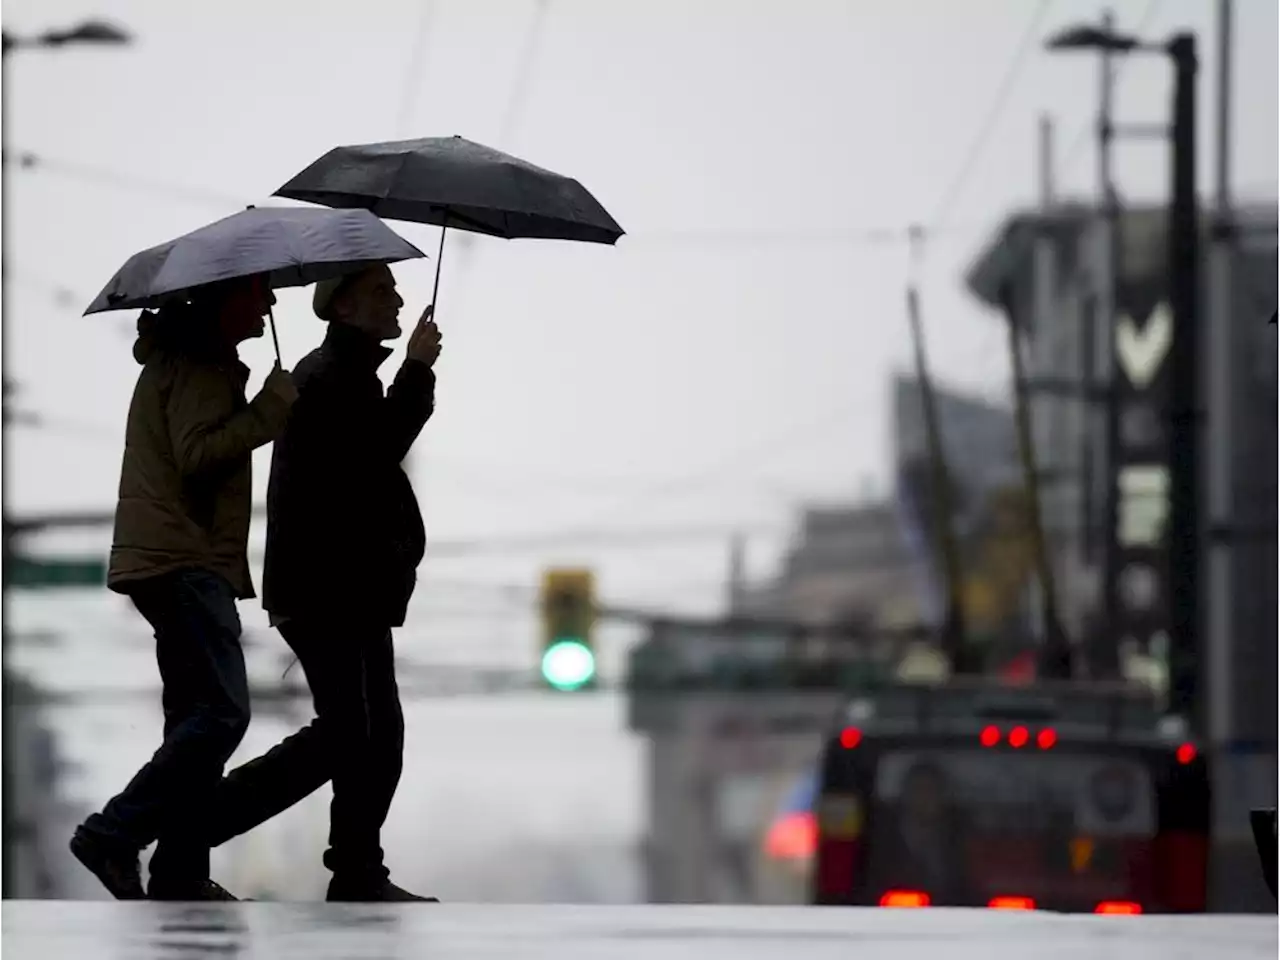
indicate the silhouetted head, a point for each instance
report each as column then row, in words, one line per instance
column 214, row 319
column 366, row 300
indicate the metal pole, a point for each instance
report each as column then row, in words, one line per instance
column 1185, row 533
column 1105, row 647
column 953, row 638
column 1055, row 653
column 8, row 839
column 1218, row 636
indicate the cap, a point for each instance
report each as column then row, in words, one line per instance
column 325, row 291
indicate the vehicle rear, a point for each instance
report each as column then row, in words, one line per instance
column 1075, row 801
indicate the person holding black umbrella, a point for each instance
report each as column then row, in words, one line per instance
column 179, row 553
column 344, row 540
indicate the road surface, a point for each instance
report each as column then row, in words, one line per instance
column 66, row 930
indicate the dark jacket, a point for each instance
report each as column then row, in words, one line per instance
column 344, row 532
column 186, row 476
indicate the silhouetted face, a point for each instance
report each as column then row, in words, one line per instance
column 244, row 309
column 369, row 302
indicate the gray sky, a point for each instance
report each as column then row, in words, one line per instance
column 713, row 379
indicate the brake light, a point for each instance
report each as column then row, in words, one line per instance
column 1019, row 737
column 1118, row 908
column 1011, row 903
column 905, row 898
column 850, row 737
column 1186, row 753
column 989, row 737
column 1046, row 738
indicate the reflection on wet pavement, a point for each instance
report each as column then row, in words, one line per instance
column 64, row 930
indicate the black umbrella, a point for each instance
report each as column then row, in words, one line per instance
column 293, row 246
column 452, row 182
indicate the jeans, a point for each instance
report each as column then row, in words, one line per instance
column 206, row 713
column 356, row 740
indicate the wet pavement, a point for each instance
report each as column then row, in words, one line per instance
column 66, row 930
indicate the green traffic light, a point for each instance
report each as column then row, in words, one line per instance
column 568, row 664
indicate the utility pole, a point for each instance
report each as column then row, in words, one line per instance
column 1220, row 448
column 953, row 639
column 1105, row 658
column 1185, row 532
column 1055, row 652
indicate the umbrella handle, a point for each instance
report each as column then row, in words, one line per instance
column 435, row 289
column 271, row 321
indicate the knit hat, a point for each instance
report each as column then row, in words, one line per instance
column 326, row 290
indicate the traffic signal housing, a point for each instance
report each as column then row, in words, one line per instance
column 568, row 659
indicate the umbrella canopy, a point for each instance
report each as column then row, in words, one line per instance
column 452, row 182
column 294, row 246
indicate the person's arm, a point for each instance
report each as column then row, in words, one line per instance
column 411, row 399
column 206, row 431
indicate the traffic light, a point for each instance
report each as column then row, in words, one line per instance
column 568, row 614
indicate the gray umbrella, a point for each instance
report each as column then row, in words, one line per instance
column 452, row 182
column 294, row 246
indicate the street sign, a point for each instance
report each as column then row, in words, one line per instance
column 52, row 573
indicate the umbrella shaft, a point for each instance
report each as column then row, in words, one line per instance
column 435, row 289
column 271, row 321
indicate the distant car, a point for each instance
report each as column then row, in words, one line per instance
column 972, row 794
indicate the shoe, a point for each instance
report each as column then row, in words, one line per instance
column 189, row 893
column 379, row 891
column 116, row 867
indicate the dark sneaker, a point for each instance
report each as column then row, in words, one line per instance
column 116, row 867
column 188, row 892
column 379, row 891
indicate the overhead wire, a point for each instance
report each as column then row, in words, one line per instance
column 921, row 236
column 29, row 160
column 955, row 188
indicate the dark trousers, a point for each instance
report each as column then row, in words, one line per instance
column 356, row 739
column 206, row 713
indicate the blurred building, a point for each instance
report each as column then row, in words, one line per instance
column 1045, row 266
column 846, row 564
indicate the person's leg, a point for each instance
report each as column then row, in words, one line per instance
column 386, row 727
column 332, row 656
column 206, row 706
column 356, row 856
column 292, row 770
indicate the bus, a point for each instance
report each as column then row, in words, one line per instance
column 1079, row 799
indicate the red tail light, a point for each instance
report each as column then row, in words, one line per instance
column 850, row 737
column 989, row 737
column 1186, row 753
column 1046, row 738
column 1018, row 737
column 1011, row 903
column 905, row 898
column 1125, row 908
column 792, row 837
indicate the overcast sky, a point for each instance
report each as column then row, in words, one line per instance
column 696, row 374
